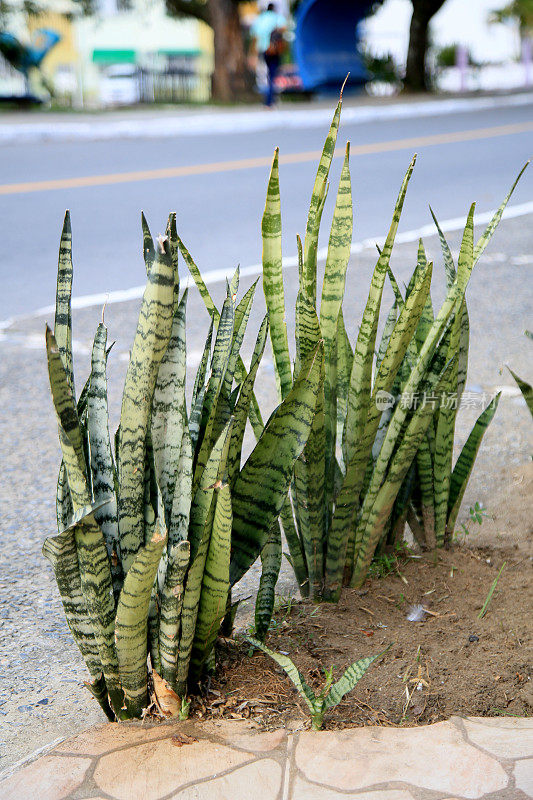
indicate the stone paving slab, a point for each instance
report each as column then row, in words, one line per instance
column 461, row 759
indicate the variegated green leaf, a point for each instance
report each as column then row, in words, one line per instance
column 395, row 459
column 273, row 281
column 242, row 407
column 63, row 313
column 170, row 611
column 424, row 462
column 316, row 207
column 169, row 420
column 465, row 463
column 525, row 388
column 132, row 624
column 202, row 515
column 102, row 466
column 67, row 417
column 261, row 488
column 61, row 552
column 219, row 365
column 151, row 339
column 332, row 294
column 148, row 245
column 348, row 681
column 361, row 377
column 271, row 556
column 215, row 584
column 495, row 221
column 305, row 691
column 97, row 590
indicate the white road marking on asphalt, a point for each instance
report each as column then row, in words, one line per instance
column 219, row 275
column 232, row 122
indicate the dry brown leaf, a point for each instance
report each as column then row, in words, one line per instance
column 180, row 739
column 168, row 701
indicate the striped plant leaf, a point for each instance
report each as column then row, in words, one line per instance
column 344, row 370
column 261, row 487
column 234, row 283
column 305, row 691
column 98, row 689
column 202, row 516
column 388, row 328
column 168, row 419
column 341, row 536
column 97, row 590
column 442, row 463
column 316, row 207
column 485, row 238
column 63, row 499
column 465, row 463
column 242, row 407
column 132, row 624
column 525, row 388
column 102, row 466
column 361, row 377
column 65, row 408
column 219, row 365
column 296, row 552
column 424, row 463
column 199, row 281
column 394, row 459
column 273, row 281
column 63, row 313
column 61, row 552
column 149, row 346
column 449, row 266
column 241, row 317
column 172, row 237
column 148, row 245
column 181, row 503
column 170, row 611
column 203, row 366
column 348, row 681
column 332, row 294
column 215, row 584
column 271, row 556
column 310, row 468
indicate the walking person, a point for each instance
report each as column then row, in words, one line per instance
column 267, row 32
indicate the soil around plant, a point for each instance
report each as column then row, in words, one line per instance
column 450, row 662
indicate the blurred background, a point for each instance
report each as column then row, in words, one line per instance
column 93, row 54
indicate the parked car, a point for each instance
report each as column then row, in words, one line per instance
column 120, row 85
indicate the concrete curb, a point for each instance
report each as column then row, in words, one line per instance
column 166, row 125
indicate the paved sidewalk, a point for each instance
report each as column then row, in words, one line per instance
column 489, row 758
column 195, row 121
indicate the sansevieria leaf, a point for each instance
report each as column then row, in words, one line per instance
column 260, row 490
column 131, row 624
column 149, row 346
column 465, row 463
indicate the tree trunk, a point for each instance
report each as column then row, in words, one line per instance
column 231, row 78
column 416, row 75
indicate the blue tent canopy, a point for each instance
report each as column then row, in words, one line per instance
column 326, row 42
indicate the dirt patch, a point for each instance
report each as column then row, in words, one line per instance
column 449, row 663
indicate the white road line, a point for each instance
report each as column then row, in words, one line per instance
column 219, row 275
column 231, row 122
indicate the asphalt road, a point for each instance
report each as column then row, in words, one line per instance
column 219, row 192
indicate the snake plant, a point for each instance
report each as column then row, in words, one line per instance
column 352, row 471
column 332, row 693
column 153, row 535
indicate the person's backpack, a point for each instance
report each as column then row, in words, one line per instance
column 277, row 43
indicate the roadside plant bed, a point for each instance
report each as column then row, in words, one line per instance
column 449, row 663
